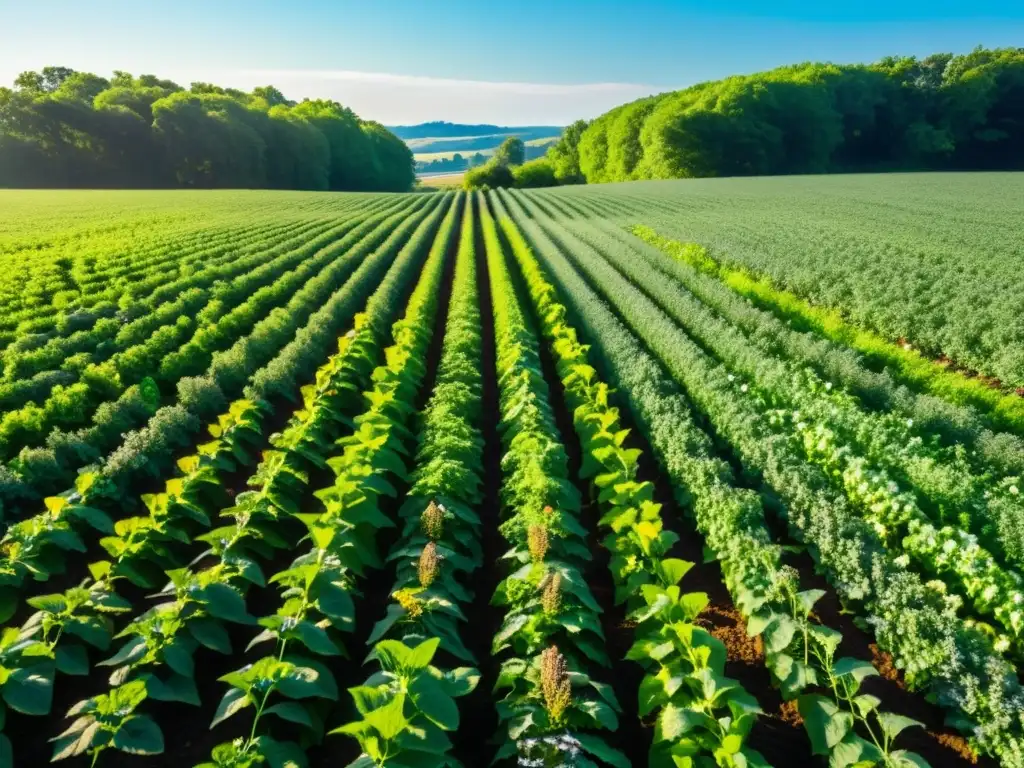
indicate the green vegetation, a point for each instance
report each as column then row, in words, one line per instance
column 596, row 476
column 61, row 128
column 942, row 112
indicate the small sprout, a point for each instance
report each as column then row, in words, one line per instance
column 554, row 682
column 429, row 565
column 537, row 541
column 432, row 521
column 551, row 599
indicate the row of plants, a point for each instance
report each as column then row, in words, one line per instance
column 31, row 544
column 897, row 481
column 437, row 552
column 132, row 276
column 908, row 365
column 800, row 652
column 259, row 268
column 551, row 710
column 398, row 702
column 186, row 346
column 916, row 622
column 209, row 278
column 176, row 318
column 39, row 313
column 700, row 713
column 61, row 314
column 932, row 416
column 39, row 471
column 158, row 659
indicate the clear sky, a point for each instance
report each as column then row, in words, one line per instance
column 525, row 62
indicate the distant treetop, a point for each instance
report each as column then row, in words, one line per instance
column 62, row 128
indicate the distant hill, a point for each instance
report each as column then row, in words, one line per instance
column 441, row 147
column 440, row 129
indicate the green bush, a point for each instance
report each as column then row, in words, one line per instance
column 536, row 173
column 490, row 175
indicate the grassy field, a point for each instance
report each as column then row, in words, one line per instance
column 323, row 479
column 443, row 180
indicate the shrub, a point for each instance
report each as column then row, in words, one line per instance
column 536, row 173
column 490, row 175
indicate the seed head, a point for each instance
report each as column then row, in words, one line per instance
column 409, row 602
column 432, row 521
column 429, row 565
column 551, row 599
column 537, row 541
column 554, row 682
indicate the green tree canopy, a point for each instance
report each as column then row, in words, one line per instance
column 942, row 111
column 59, row 127
column 512, row 151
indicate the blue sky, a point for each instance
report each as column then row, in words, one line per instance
column 404, row 61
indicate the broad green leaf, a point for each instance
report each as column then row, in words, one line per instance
column 826, row 724
column 672, row 570
column 461, row 681
column 30, row 690
column 894, row 724
column 855, row 668
column 291, row 711
column 316, row 639
column 901, row 758
column 390, row 719
column 139, row 735
column 433, row 701
column 72, row 659
column 226, row 603
column 856, row 752
column 233, row 701
column 210, row 633
column 596, row 746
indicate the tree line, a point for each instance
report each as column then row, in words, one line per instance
column 942, row 112
column 62, row 128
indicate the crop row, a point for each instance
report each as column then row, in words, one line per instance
column 156, row 660
column 226, row 373
column 182, row 346
column 914, row 621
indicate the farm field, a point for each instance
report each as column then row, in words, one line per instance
column 721, row 472
column 449, row 154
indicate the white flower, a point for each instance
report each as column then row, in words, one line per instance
column 1014, row 490
column 910, row 422
column 731, row 377
column 828, row 385
column 743, row 388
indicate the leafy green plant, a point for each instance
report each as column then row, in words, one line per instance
column 108, row 721
column 551, row 625
column 407, row 707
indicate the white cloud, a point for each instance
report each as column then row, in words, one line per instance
column 405, row 99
